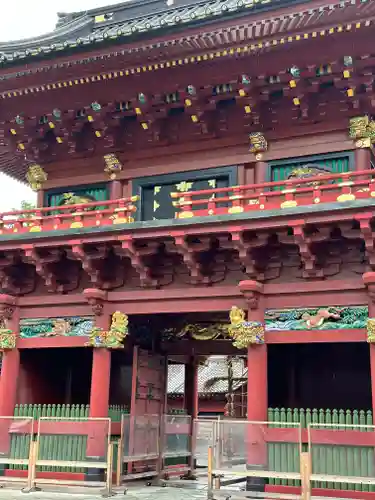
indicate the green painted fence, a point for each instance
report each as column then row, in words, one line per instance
column 62, row 447
column 326, row 459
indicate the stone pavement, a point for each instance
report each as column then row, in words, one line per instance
column 133, row 493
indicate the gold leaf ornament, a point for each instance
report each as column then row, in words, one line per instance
column 244, row 333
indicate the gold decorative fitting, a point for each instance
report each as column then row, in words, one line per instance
column 36, row 177
column 371, row 330
column 185, row 215
column 35, row 229
column 316, row 200
column 258, row 143
column 134, row 198
column 76, row 225
column 362, row 130
column 8, row 339
column 235, row 210
column 114, row 337
column 112, row 165
column 288, row 191
column 244, row 333
column 346, row 197
column 288, row 204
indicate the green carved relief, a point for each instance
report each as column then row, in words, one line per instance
column 74, row 326
column 318, row 318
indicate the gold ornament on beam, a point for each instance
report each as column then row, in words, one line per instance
column 113, row 338
column 362, row 131
column 36, row 177
column 112, row 165
column 244, row 333
column 7, row 339
column 199, row 332
column 258, row 144
column 371, row 330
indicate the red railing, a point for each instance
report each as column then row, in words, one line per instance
column 96, row 213
column 343, row 187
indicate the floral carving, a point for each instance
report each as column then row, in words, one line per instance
column 113, row 338
column 244, row 333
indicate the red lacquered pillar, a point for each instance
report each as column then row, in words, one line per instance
column 362, row 159
column 369, row 280
column 261, row 172
column 9, row 313
column 100, row 379
column 115, row 190
column 257, row 389
column 99, row 393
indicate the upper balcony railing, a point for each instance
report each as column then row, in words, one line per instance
column 96, row 213
column 333, row 188
column 272, row 196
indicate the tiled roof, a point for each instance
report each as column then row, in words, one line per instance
column 215, row 369
column 126, row 21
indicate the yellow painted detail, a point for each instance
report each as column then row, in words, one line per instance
column 76, row 225
column 185, row 215
column 288, row 204
column 235, row 210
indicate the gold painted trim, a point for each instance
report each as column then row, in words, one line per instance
column 120, row 220
column 289, row 204
column 288, row 191
column 235, row 210
column 346, row 197
column 35, row 229
column 185, row 215
column 76, row 225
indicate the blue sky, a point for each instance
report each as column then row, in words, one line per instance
column 22, row 19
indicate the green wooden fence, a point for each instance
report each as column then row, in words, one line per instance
column 330, row 459
column 326, row 459
column 61, row 447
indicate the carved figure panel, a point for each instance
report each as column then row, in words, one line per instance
column 323, row 318
column 55, row 327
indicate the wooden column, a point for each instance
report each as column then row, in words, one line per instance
column 9, row 314
column 115, row 190
column 261, row 170
column 257, row 397
column 362, row 159
column 369, row 280
column 100, row 380
column 257, row 388
column 40, row 198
